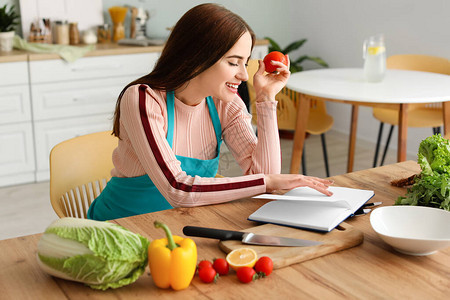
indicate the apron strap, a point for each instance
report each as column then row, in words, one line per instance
column 170, row 116
column 215, row 120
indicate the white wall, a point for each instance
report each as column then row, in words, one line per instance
column 335, row 30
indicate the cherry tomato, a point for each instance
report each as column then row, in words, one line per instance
column 246, row 274
column 208, row 274
column 221, row 266
column 276, row 56
column 204, row 264
column 264, row 265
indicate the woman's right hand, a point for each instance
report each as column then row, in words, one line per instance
column 268, row 85
column 291, row 181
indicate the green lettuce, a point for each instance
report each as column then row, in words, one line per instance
column 432, row 186
column 100, row 254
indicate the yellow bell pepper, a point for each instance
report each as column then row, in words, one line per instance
column 172, row 260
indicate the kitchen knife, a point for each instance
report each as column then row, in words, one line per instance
column 247, row 237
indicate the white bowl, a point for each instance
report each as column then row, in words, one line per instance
column 413, row 230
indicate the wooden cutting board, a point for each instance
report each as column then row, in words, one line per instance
column 343, row 237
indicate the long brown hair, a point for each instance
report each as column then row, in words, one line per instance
column 199, row 39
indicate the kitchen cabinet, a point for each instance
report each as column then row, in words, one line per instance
column 74, row 99
column 44, row 101
column 17, row 161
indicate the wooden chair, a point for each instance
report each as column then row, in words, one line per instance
column 79, row 170
column 319, row 121
column 419, row 115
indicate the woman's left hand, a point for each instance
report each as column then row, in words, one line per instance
column 269, row 84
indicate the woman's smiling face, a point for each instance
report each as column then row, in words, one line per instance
column 223, row 78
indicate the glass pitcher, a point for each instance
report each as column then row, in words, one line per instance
column 374, row 54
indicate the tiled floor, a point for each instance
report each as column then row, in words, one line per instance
column 26, row 209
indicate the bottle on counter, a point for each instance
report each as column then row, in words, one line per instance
column 74, row 34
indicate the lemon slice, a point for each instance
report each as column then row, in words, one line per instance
column 375, row 50
column 242, row 257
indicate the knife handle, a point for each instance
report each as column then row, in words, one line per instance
column 213, row 233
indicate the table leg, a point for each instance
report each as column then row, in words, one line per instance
column 352, row 141
column 446, row 118
column 299, row 135
column 402, row 131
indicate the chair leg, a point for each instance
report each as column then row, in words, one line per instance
column 303, row 161
column 436, row 130
column 387, row 144
column 377, row 147
column 325, row 155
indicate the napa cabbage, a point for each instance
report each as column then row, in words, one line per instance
column 100, row 254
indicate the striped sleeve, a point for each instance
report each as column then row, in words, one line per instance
column 254, row 155
column 141, row 117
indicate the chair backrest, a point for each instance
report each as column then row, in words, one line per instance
column 79, row 170
column 418, row 62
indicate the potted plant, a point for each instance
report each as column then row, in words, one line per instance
column 295, row 63
column 8, row 19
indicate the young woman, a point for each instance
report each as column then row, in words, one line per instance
column 171, row 124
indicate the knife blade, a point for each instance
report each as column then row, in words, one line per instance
column 247, row 237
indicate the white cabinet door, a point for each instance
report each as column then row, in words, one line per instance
column 17, row 163
column 14, row 73
column 49, row 133
column 76, row 98
column 15, row 104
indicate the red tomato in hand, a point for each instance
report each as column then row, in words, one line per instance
column 276, row 56
column 208, row 274
column 221, row 266
column 246, row 274
column 264, row 265
column 204, row 264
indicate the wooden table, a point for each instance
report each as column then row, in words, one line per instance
column 398, row 89
column 372, row 270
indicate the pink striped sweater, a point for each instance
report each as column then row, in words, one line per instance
column 143, row 148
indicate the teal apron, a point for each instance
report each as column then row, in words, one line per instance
column 124, row 197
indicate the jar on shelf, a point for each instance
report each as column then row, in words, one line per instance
column 104, row 33
column 61, row 35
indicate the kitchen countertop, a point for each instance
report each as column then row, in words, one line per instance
column 13, row 56
column 100, row 50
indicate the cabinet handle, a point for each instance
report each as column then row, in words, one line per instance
column 96, row 68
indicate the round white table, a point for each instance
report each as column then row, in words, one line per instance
column 398, row 89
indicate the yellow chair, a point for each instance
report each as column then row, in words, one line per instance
column 79, row 170
column 319, row 121
column 419, row 115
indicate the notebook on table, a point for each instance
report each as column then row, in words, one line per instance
column 307, row 208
